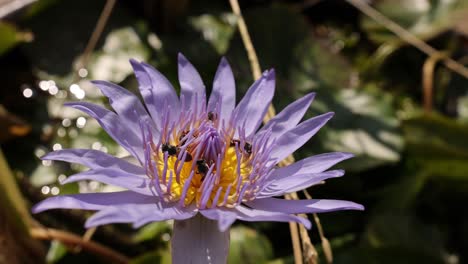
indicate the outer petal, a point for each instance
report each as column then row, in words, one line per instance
column 298, row 136
column 93, row 159
column 175, row 212
column 289, row 117
column 92, row 201
column 115, row 177
column 303, row 206
column 157, row 92
column 314, row 164
column 191, row 84
column 114, row 126
column 134, row 213
column 224, row 90
column 127, row 106
column 253, row 107
column 224, row 217
column 296, row 183
column 255, row 215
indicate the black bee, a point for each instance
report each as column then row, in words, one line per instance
column 202, row 167
column 211, row 116
column 174, row 151
column 248, row 148
column 171, row 150
column 234, row 141
column 247, row 145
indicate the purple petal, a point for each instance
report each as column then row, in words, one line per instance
column 132, row 182
column 191, row 84
column 252, row 108
column 303, row 206
column 156, row 91
column 129, row 108
column 293, row 139
column 175, row 212
column 135, row 213
column 93, row 159
column 198, row 240
column 289, row 117
column 296, row 183
column 92, row 201
column 314, row 164
column 255, row 215
column 225, row 217
column 114, row 126
column 224, row 90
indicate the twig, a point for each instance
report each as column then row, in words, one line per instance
column 72, row 239
column 86, row 237
column 325, row 243
column 296, row 242
column 408, row 36
column 428, row 80
column 309, row 253
column 256, row 72
column 101, row 23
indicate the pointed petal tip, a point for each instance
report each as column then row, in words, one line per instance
column 224, row 61
column 133, row 62
column 181, row 58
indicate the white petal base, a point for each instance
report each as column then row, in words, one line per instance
column 198, row 240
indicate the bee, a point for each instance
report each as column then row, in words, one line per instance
column 247, row 145
column 202, row 167
column 212, row 116
column 174, row 151
column 170, row 149
column 248, row 148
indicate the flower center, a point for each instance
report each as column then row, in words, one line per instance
column 202, row 164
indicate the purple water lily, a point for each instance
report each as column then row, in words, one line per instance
column 197, row 157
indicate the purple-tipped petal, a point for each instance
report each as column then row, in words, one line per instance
column 127, row 106
column 225, row 217
column 198, row 240
column 92, row 201
column 224, row 90
column 191, row 84
column 296, row 183
column 314, row 164
column 289, row 117
column 114, row 126
column 138, row 184
column 93, row 159
column 255, row 215
column 157, row 92
column 252, row 108
column 293, row 139
column 303, row 206
column 175, row 212
column 136, row 214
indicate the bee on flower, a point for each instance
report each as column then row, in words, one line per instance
column 198, row 155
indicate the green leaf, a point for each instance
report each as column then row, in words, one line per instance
column 56, row 252
column 161, row 257
column 249, row 246
column 364, row 124
column 217, row 30
column 151, row 231
column 425, row 19
column 111, row 63
column 10, row 37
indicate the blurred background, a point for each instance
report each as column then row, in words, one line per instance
column 398, row 107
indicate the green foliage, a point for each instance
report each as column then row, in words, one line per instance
column 410, row 169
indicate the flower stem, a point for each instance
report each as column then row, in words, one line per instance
column 198, row 240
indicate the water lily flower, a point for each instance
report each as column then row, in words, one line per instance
column 204, row 163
